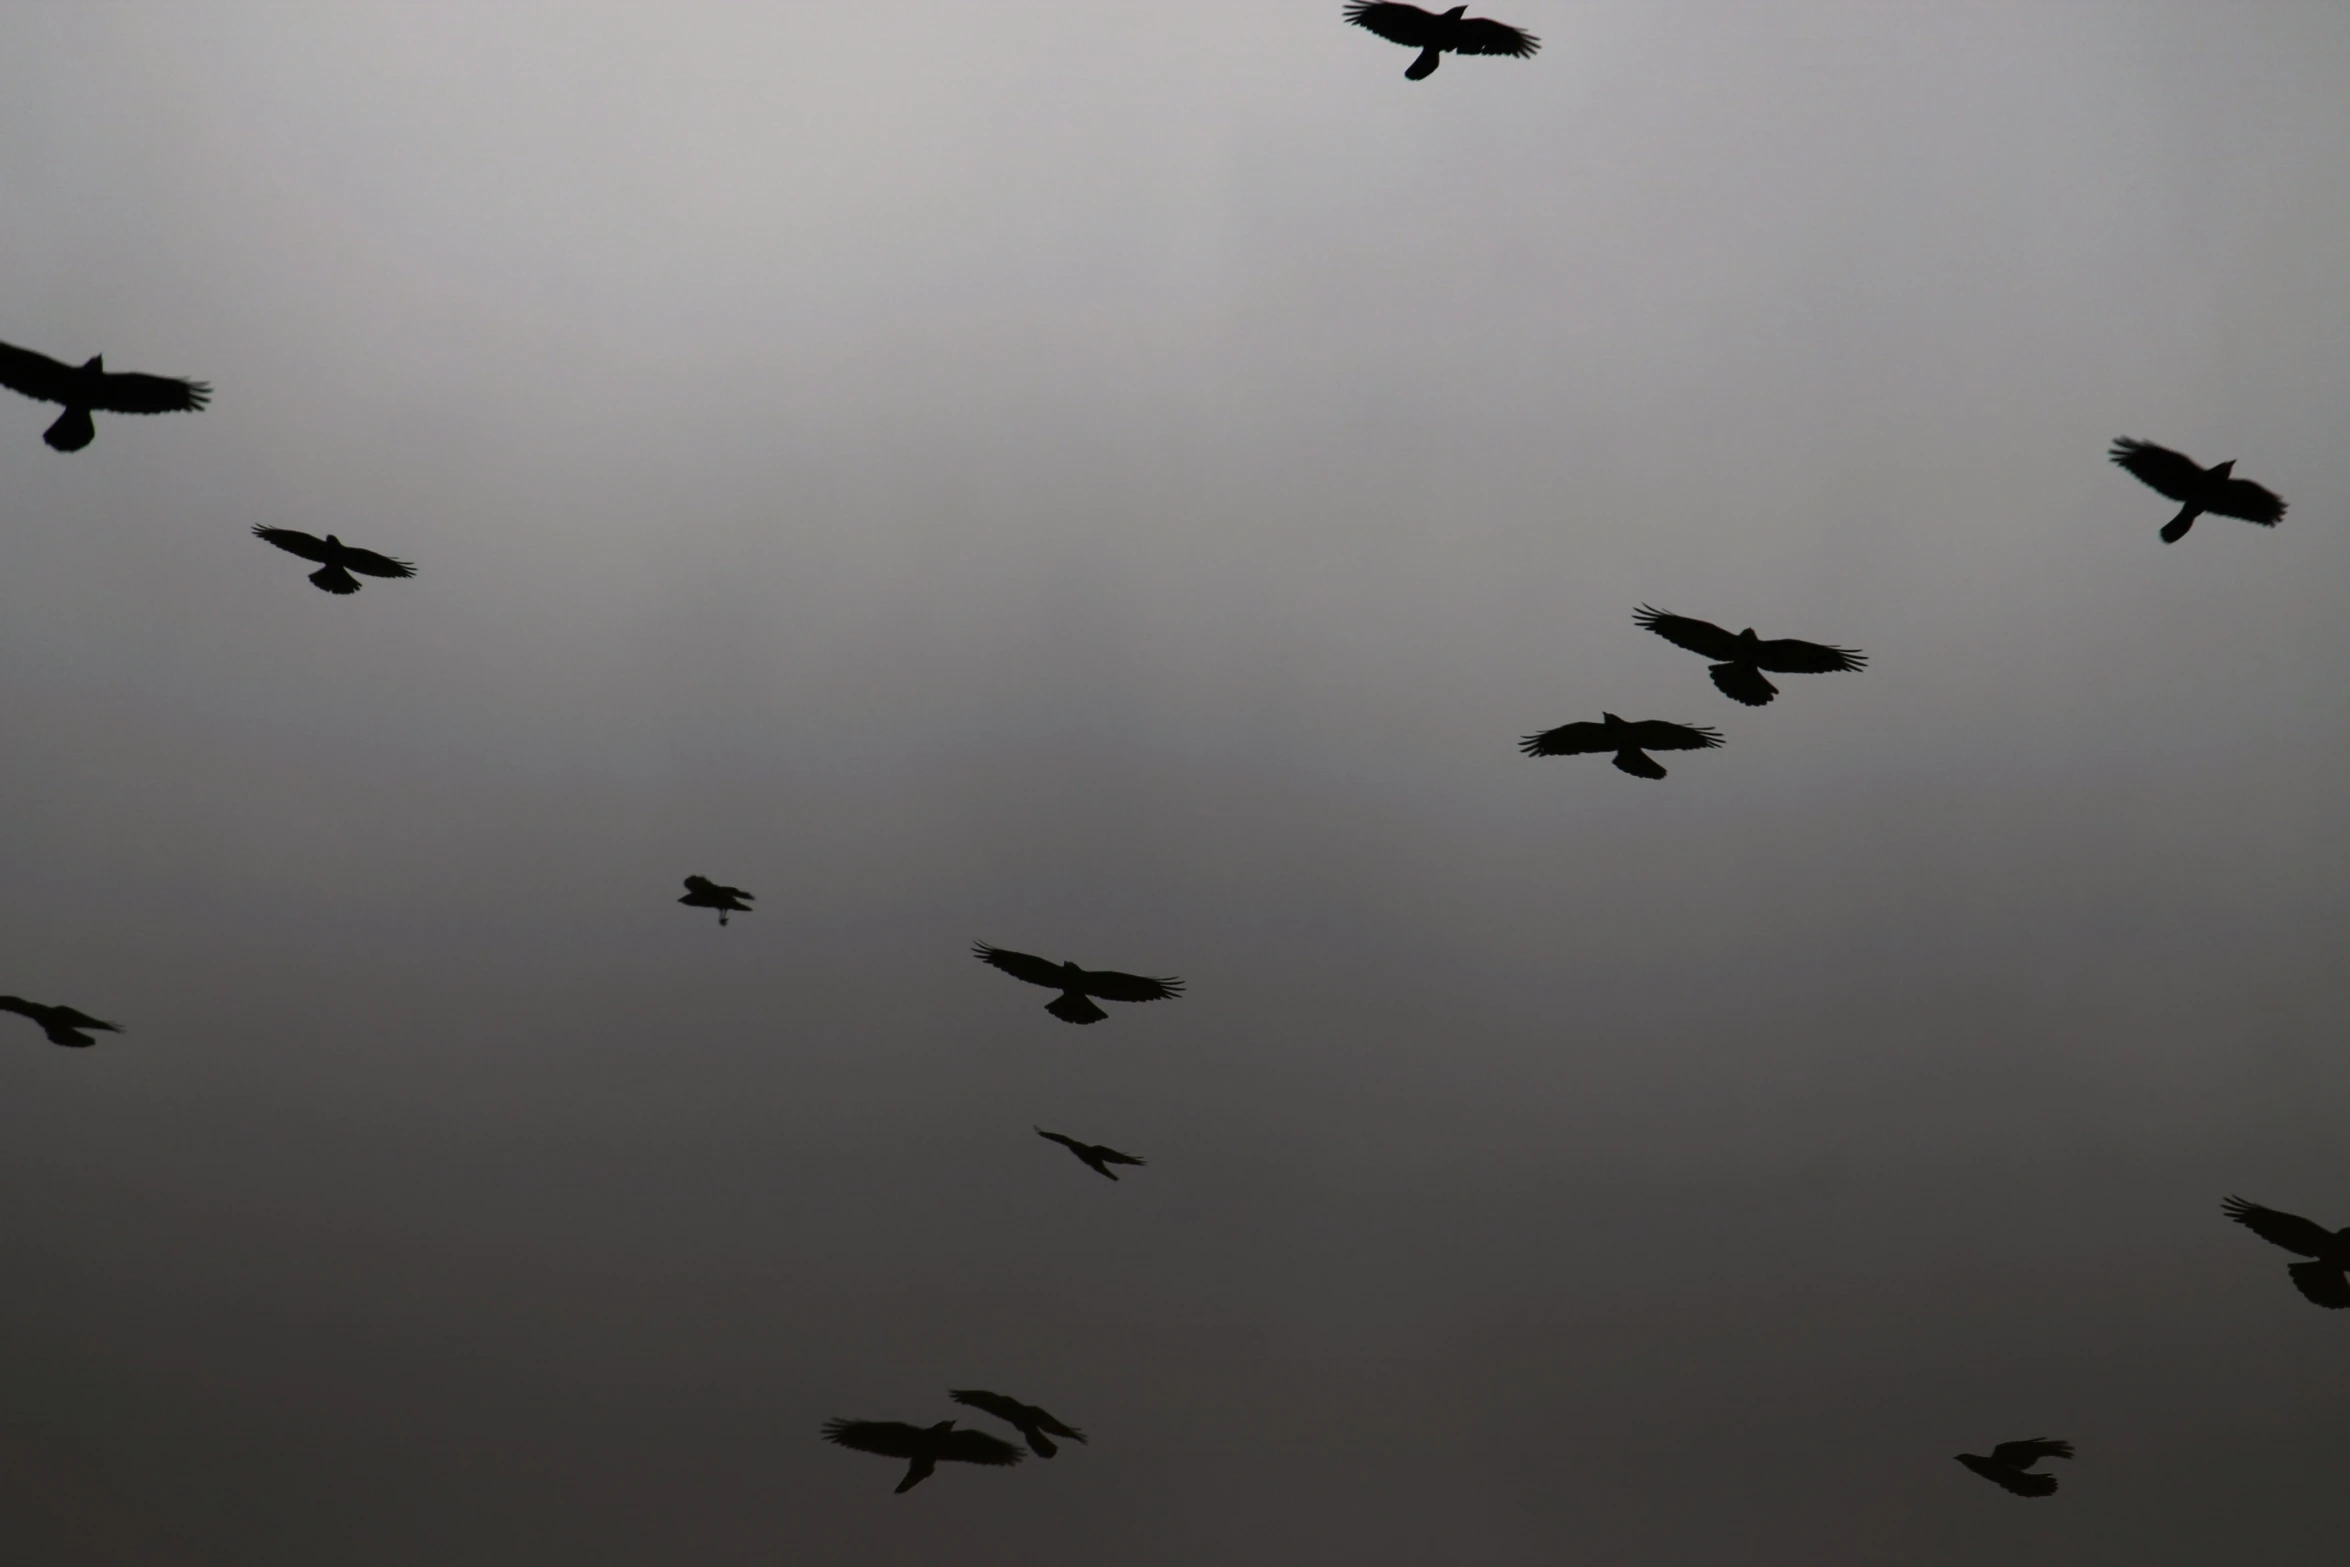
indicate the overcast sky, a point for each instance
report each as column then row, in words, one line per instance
column 1116, row 482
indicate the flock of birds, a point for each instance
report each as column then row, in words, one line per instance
column 1740, row 663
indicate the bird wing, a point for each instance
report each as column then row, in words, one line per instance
column 976, row 1447
column 1654, row 734
column 2030, row 1451
column 2288, row 1230
column 1021, row 965
column 1568, row 740
column 21, row 1007
column 2323, row 1283
column 1109, row 1155
column 132, row 393
column 1787, row 656
column 1111, row 985
column 295, row 542
column 1698, row 636
column 369, row 564
column 1070, row 1143
column 996, row 1404
column 1476, row 35
column 1398, row 24
column 2251, row 502
column 2160, row 469
column 2022, row 1482
column 72, row 1017
column 1057, row 1427
column 890, row 1438
column 33, row 374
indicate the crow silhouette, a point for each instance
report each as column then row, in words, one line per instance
column 703, row 893
column 2010, row 1465
column 1097, row 1156
column 1076, row 984
column 923, row 1447
column 91, row 388
column 1745, row 656
column 63, row 1025
column 338, row 559
column 1031, row 1422
column 2197, row 489
column 2326, row 1278
column 1435, row 36
column 1630, row 741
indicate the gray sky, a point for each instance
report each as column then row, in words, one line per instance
column 1116, row 482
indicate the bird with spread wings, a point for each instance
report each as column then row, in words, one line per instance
column 1097, row 1157
column 90, row 388
column 1076, row 984
column 2325, row 1278
column 1631, row 741
column 2196, row 488
column 63, row 1025
column 1037, row 1425
column 703, row 893
column 923, row 1447
column 337, row 559
column 1435, row 35
column 1744, row 656
column 2009, row 1465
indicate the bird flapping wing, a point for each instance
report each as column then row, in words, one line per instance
column 1070, row 1143
column 33, row 374
column 1789, row 656
column 1476, row 35
column 21, row 1007
column 369, row 564
column 1568, row 740
column 1109, row 1155
column 2160, row 469
column 2288, row 1230
column 890, row 1438
column 1020, row 965
column 1398, row 24
column 1698, row 636
column 1111, row 985
column 1654, row 734
column 295, row 542
column 2322, row 1283
column 2030, row 1451
column 2249, row 502
column 133, row 393
column 996, row 1404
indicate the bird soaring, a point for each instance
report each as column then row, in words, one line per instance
column 338, row 559
column 923, row 1447
column 703, row 893
column 1435, row 36
column 1097, row 1156
column 2009, row 1465
column 1745, row 656
column 1031, row 1422
column 63, row 1025
column 2324, row 1279
column 2197, row 489
column 1630, row 741
column 90, row 388
column 1076, row 984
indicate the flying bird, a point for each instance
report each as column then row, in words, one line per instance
column 339, row 559
column 1630, row 741
column 2009, row 1465
column 1098, row 1157
column 1076, row 984
column 2197, row 489
column 2326, row 1278
column 1745, row 656
column 1031, row 1422
column 1435, row 35
column 923, row 1447
column 90, row 388
column 63, row 1025
column 703, row 893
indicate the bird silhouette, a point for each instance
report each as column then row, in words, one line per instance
column 2197, row 489
column 63, row 1025
column 2325, row 1279
column 91, row 388
column 1031, row 1422
column 703, row 893
column 2009, row 1465
column 1076, row 984
column 1744, row 656
column 1631, row 741
column 923, row 1447
column 339, row 559
column 1097, row 1156
column 1437, row 35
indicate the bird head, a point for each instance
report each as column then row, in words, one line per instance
column 1747, row 635
column 95, row 366
column 944, row 1426
column 2223, row 469
column 1456, row 13
column 331, row 539
column 1610, row 719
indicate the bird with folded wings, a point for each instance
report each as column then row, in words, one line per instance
column 89, row 388
column 1744, row 656
column 1097, row 1157
column 1077, row 986
column 703, row 893
column 59, row 1025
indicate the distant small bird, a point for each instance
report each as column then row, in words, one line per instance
column 2325, row 1280
column 1745, row 656
column 703, row 893
column 1030, row 1421
column 1097, row 1156
column 90, row 387
column 2010, row 1465
column 340, row 559
column 63, row 1025
column 924, row 1447
column 1630, row 741
column 1076, row 984
column 2197, row 489
column 1435, row 36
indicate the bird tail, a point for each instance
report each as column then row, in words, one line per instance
column 69, row 1038
column 72, row 431
column 1073, row 1006
column 1743, row 683
column 2176, row 529
column 916, row 1472
column 334, row 579
column 2323, row 1283
column 1638, row 763
column 1424, row 66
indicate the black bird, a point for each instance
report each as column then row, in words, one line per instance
column 91, row 388
column 703, row 893
column 1097, row 1156
column 2010, row 1465
column 63, row 1025
column 1076, row 984
column 339, row 559
column 1745, row 656
column 1630, row 741
column 1435, row 35
column 1031, row 1421
column 2326, row 1278
column 2197, row 489
column 924, row 1447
